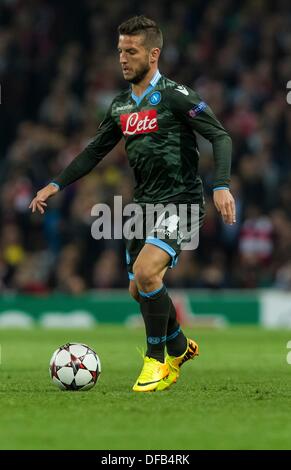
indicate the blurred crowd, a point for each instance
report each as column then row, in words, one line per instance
column 59, row 71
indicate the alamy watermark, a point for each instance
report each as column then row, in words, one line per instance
column 288, row 357
column 288, row 97
column 179, row 222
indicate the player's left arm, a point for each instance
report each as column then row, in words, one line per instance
column 194, row 112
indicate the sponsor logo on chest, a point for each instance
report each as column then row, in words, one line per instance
column 141, row 122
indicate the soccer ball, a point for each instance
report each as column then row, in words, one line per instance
column 74, row 366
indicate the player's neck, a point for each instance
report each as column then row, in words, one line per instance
column 139, row 88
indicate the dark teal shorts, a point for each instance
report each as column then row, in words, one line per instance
column 165, row 232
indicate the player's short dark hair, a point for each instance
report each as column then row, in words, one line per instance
column 136, row 25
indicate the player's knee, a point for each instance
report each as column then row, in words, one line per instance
column 133, row 292
column 145, row 276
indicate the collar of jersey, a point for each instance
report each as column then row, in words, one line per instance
column 153, row 82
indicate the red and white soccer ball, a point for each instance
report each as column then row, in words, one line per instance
column 75, row 366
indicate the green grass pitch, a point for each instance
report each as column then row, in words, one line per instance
column 235, row 395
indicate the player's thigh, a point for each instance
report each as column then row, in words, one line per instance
column 151, row 261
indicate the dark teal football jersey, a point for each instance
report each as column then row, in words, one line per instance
column 159, row 129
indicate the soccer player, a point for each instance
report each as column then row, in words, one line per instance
column 158, row 119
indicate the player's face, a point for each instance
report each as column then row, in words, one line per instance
column 134, row 58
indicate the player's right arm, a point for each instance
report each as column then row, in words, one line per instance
column 108, row 135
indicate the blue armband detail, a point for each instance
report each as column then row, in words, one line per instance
column 56, row 185
column 220, row 187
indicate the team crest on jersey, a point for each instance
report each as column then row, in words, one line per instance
column 139, row 123
column 155, row 98
column 198, row 108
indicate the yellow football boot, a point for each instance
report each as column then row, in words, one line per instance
column 152, row 373
column 175, row 363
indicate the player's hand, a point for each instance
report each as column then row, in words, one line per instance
column 224, row 203
column 38, row 202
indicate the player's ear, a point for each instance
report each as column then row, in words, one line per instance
column 154, row 55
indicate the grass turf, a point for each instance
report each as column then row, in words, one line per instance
column 235, row 395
